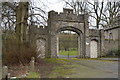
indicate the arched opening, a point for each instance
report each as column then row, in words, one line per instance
column 68, row 43
column 41, row 47
column 93, row 49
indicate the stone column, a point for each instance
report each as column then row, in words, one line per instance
column 0, row 44
column 5, row 72
column 87, row 47
column 79, row 48
column 57, row 44
column 46, row 48
column 32, row 64
column 99, row 48
column 83, row 47
column 102, row 43
column 53, row 46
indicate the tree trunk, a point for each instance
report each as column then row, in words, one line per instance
column 21, row 26
column 21, row 21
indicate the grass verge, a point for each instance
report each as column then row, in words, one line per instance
column 33, row 75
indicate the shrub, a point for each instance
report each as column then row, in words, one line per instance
column 114, row 52
column 15, row 53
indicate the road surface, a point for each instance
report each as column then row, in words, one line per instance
column 82, row 68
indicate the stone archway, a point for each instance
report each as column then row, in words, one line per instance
column 66, row 21
column 93, row 49
column 80, row 38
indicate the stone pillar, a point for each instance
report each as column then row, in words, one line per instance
column 48, row 52
column 46, row 48
column 5, row 72
column 0, row 44
column 119, row 32
column 0, row 54
column 79, row 48
column 83, row 42
column 57, row 45
column 86, row 34
column 32, row 64
column 102, row 43
column 87, row 47
column 54, row 46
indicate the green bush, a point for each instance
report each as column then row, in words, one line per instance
column 113, row 53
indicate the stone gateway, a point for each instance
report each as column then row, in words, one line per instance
column 90, row 41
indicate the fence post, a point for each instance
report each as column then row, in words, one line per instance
column 8, row 75
column 5, row 72
column 32, row 64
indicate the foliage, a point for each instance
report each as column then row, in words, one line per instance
column 12, row 54
column 113, row 53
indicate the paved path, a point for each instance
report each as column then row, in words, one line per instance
column 114, row 59
column 102, row 69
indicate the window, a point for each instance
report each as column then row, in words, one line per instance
column 110, row 36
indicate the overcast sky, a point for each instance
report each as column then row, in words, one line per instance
column 56, row 5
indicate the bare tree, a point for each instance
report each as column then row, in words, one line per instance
column 17, row 18
column 111, row 12
column 94, row 9
column 78, row 6
column 8, row 15
column 96, row 12
column 103, row 13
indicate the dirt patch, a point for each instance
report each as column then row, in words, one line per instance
column 45, row 67
column 17, row 70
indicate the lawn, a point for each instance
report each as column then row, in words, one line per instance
column 72, row 52
column 33, row 75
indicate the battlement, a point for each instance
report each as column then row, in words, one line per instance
column 66, row 15
column 94, row 32
column 67, row 11
column 41, row 30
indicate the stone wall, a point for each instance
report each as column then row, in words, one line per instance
column 110, row 46
column 112, row 33
column 39, row 35
column 111, row 39
column 98, row 36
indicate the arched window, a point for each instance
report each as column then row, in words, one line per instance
column 110, row 36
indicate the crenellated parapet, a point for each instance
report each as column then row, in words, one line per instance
column 39, row 30
column 66, row 15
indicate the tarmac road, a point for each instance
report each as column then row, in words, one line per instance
column 86, row 68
